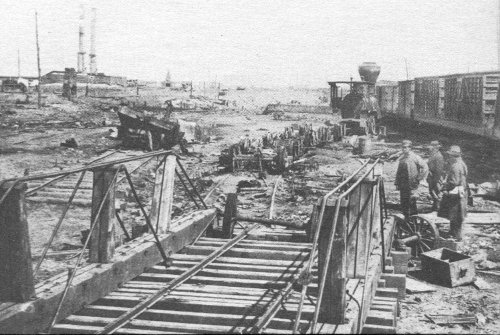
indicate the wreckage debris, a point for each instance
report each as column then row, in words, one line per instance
column 275, row 152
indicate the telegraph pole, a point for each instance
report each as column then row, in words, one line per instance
column 18, row 64
column 406, row 65
column 38, row 62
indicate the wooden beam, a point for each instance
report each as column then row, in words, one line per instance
column 93, row 282
column 247, row 252
column 332, row 306
column 102, row 242
column 16, row 273
column 163, row 196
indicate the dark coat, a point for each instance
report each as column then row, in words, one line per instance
column 411, row 170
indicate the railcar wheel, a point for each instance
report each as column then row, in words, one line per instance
column 423, row 233
column 229, row 215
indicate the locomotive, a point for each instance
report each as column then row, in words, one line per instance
column 358, row 108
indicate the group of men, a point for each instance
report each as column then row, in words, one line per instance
column 447, row 181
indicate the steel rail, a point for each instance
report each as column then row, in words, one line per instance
column 146, row 217
column 188, row 191
column 330, row 242
column 190, row 182
column 59, row 223
column 76, row 170
column 87, row 240
column 144, row 305
column 271, row 312
column 93, row 166
column 66, row 175
column 315, row 241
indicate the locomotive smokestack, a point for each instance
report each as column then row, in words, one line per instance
column 369, row 71
column 81, row 50
column 92, row 55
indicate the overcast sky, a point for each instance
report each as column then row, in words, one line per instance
column 261, row 43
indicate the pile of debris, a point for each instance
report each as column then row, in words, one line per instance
column 274, row 152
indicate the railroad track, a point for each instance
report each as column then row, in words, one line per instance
column 248, row 285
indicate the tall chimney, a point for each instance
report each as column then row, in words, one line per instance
column 93, row 66
column 81, row 51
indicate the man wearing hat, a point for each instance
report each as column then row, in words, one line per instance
column 436, row 174
column 411, row 170
column 454, row 203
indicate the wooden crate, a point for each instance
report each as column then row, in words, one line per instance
column 447, row 267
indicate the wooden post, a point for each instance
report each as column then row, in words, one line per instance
column 163, row 196
column 16, row 273
column 333, row 304
column 38, row 62
column 102, row 242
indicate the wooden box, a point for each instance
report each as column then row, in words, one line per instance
column 447, row 267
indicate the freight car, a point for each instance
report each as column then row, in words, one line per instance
column 465, row 102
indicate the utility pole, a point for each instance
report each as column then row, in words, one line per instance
column 18, row 64
column 498, row 34
column 406, row 65
column 38, row 61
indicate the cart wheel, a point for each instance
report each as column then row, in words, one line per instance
column 427, row 233
column 229, row 216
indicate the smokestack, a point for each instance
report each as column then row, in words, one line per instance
column 93, row 66
column 81, row 51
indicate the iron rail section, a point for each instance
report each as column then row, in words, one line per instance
column 315, row 241
column 87, row 240
column 58, row 225
column 191, row 183
column 146, row 217
column 92, row 229
column 50, row 182
column 144, row 305
column 186, row 188
column 330, row 242
column 80, row 169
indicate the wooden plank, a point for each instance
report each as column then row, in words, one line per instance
column 207, row 305
column 416, row 286
column 266, row 242
column 165, row 202
column 93, row 282
column 16, row 273
column 256, row 245
column 240, row 267
column 102, row 241
column 246, row 252
column 245, row 260
column 175, row 271
column 332, row 308
column 443, row 319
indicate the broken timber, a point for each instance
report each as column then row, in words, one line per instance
column 248, row 287
column 94, row 281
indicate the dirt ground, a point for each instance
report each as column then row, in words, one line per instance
column 30, row 142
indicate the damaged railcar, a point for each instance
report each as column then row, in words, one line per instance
column 149, row 129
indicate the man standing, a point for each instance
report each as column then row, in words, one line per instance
column 454, row 203
column 411, row 170
column 436, row 174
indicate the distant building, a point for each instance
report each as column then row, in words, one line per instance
column 97, row 78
